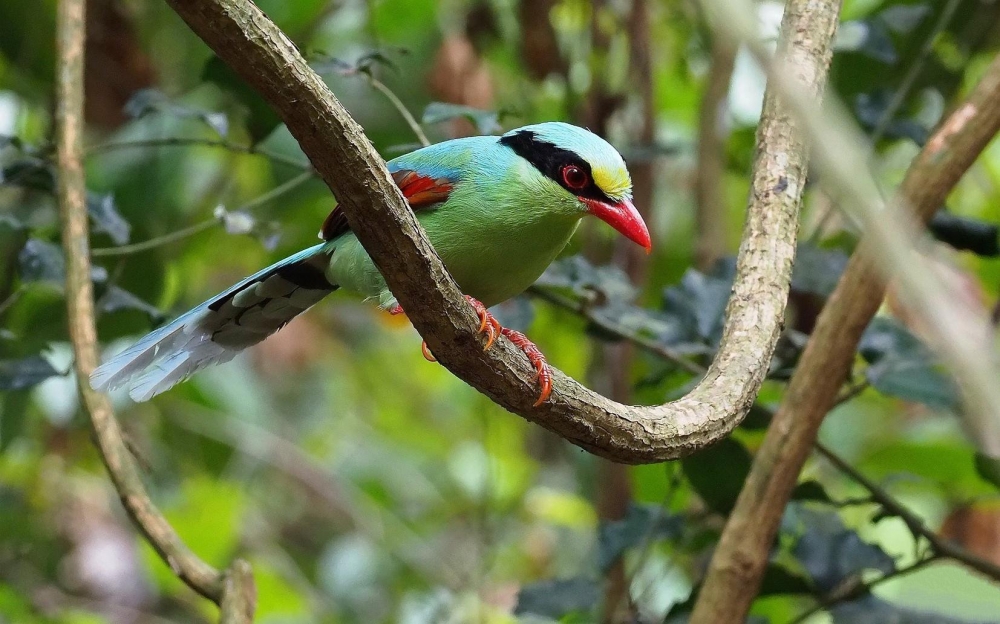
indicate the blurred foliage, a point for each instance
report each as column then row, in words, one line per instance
column 367, row 485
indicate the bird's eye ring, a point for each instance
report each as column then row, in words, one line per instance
column 574, row 177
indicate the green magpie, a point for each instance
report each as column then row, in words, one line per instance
column 498, row 210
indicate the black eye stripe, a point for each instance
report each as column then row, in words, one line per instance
column 550, row 160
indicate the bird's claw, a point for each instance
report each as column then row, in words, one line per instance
column 543, row 373
column 488, row 324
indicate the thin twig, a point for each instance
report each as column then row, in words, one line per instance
column 71, row 192
column 403, row 111
column 857, row 588
column 194, row 141
column 940, row 545
column 170, row 237
column 153, row 243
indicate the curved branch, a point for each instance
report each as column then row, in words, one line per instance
column 740, row 558
column 261, row 54
column 71, row 191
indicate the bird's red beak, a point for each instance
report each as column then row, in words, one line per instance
column 623, row 217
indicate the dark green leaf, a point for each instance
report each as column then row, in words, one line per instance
column 871, row 107
column 811, row 491
column 41, row 261
column 30, row 173
column 718, row 472
column 901, row 366
column 25, row 373
column 988, row 468
column 699, row 302
column 104, row 214
column 557, row 598
column 485, row 121
column 641, row 523
column 780, row 580
column 979, row 237
column 817, row 270
column 830, row 553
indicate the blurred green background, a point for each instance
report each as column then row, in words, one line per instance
column 365, row 484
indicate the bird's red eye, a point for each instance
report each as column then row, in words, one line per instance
column 574, row 177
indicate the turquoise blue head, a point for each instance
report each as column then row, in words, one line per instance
column 585, row 166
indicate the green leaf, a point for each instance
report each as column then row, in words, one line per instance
column 30, row 173
column 557, row 598
column 700, row 301
column 829, row 552
column 486, row 122
column 641, row 523
column 717, row 473
column 106, row 219
column 901, row 366
column 817, row 270
column 988, row 468
column 779, row 580
column 42, row 261
column 25, row 373
column 811, row 491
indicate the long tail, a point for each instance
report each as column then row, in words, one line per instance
column 218, row 329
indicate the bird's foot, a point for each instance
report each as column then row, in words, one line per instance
column 492, row 327
column 543, row 373
column 489, row 325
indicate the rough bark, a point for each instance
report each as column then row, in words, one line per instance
column 247, row 40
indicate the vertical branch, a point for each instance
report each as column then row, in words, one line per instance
column 71, row 33
column 710, row 218
column 805, row 47
column 738, row 563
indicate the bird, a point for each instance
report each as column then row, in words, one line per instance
column 497, row 209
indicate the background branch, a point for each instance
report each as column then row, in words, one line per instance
column 710, row 196
column 244, row 38
column 738, row 563
column 198, row 575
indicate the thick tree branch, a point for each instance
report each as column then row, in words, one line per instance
column 80, row 311
column 738, row 564
column 245, row 39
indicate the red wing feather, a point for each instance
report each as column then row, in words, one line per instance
column 419, row 190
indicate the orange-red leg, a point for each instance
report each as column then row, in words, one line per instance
column 543, row 373
column 491, row 326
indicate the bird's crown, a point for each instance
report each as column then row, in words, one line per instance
column 550, row 146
